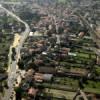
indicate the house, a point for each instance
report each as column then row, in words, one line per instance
column 31, row 34
column 49, row 70
column 98, row 60
column 30, row 72
column 81, row 34
column 43, row 77
column 32, row 91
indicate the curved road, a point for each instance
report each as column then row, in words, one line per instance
column 12, row 76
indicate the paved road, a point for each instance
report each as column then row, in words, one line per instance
column 83, row 95
column 12, row 76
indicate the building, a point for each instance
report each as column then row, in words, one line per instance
column 49, row 70
column 39, row 77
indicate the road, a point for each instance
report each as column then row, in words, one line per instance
column 12, row 68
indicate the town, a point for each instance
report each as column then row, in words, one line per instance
column 49, row 50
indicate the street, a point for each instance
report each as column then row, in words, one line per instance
column 12, row 68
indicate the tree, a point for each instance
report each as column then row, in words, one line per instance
column 21, row 64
